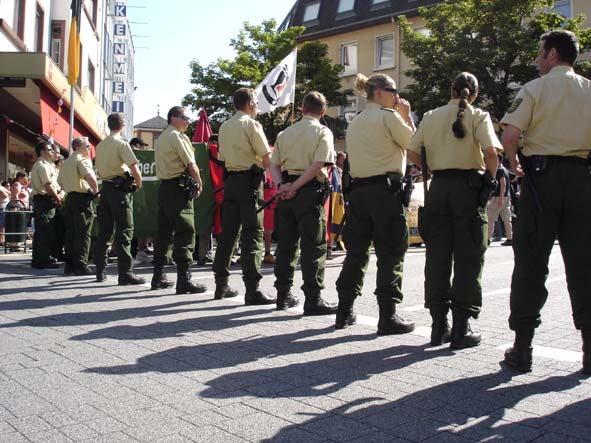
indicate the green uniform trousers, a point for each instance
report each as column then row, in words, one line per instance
column 44, row 237
column 176, row 225
column 564, row 190
column 239, row 210
column 454, row 228
column 78, row 218
column 301, row 219
column 115, row 215
column 375, row 214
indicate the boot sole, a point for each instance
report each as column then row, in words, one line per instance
column 167, row 286
column 131, row 283
column 446, row 338
column 189, row 291
column 459, row 346
column 396, row 332
column 259, row 303
column 517, row 367
column 319, row 313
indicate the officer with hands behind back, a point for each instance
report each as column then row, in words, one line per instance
column 46, row 197
column 245, row 150
column 78, row 179
column 460, row 144
column 180, row 184
column 118, row 168
column 555, row 200
column 297, row 164
column 377, row 139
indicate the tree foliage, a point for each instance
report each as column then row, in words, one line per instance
column 496, row 40
column 259, row 48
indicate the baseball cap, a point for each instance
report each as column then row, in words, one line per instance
column 137, row 141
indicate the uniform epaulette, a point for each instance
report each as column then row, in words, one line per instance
column 388, row 109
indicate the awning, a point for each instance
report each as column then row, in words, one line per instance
column 55, row 121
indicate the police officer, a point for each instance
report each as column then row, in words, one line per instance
column 244, row 149
column 114, row 158
column 377, row 139
column 460, row 143
column 301, row 153
column 555, row 199
column 175, row 163
column 46, row 197
column 78, row 179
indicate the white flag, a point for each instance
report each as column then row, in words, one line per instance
column 278, row 87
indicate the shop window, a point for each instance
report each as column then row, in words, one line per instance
column 385, row 51
column 349, row 58
column 311, row 11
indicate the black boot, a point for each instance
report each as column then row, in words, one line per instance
column 256, row 297
column 440, row 331
column 184, row 284
column 160, row 280
column 68, row 267
column 316, row 305
column 345, row 315
column 519, row 356
column 285, row 299
column 130, row 279
column 389, row 323
column 462, row 336
column 586, row 351
column 101, row 273
column 224, row 291
column 82, row 269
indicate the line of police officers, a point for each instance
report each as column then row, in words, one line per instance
column 456, row 142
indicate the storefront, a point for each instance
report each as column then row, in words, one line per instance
column 34, row 106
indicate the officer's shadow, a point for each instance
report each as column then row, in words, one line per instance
column 480, row 408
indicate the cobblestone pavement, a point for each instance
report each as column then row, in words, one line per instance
column 82, row 361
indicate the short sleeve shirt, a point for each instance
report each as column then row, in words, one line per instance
column 42, row 173
column 114, row 156
column 502, row 173
column 173, row 153
column 73, row 172
column 242, row 142
column 553, row 113
column 444, row 150
column 377, row 139
column 302, row 144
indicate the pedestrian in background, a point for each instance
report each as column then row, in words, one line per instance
column 377, row 139
column 460, row 144
column 500, row 204
column 555, row 201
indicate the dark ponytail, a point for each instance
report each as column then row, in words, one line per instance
column 464, row 86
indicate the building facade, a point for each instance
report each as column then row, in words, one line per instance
column 34, row 91
column 150, row 130
column 364, row 36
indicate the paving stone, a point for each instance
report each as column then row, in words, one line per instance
column 50, row 436
column 254, row 427
column 79, row 432
column 338, row 428
column 211, row 434
column 5, row 428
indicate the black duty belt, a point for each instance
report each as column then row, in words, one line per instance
column 79, row 194
column 170, row 180
column 369, row 181
column 451, row 173
column 42, row 197
column 247, row 171
column 293, row 178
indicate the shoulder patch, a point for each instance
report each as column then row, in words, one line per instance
column 514, row 105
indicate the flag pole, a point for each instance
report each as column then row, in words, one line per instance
column 71, row 129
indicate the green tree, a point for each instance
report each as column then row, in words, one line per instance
column 496, row 40
column 259, row 48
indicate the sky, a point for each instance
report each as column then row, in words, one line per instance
column 178, row 31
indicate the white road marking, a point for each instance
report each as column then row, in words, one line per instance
column 551, row 353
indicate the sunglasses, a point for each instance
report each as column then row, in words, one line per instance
column 184, row 117
column 392, row 91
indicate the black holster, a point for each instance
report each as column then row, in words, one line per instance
column 484, row 183
column 189, row 186
column 393, row 182
column 407, row 188
column 257, row 177
column 125, row 183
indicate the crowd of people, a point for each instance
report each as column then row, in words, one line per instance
column 456, row 143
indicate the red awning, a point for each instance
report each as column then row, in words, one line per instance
column 56, row 124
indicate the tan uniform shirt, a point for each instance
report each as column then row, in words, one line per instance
column 553, row 113
column 302, row 144
column 376, row 142
column 444, row 149
column 242, row 142
column 72, row 173
column 43, row 172
column 113, row 157
column 173, row 154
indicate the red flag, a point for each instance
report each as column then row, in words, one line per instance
column 203, row 129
